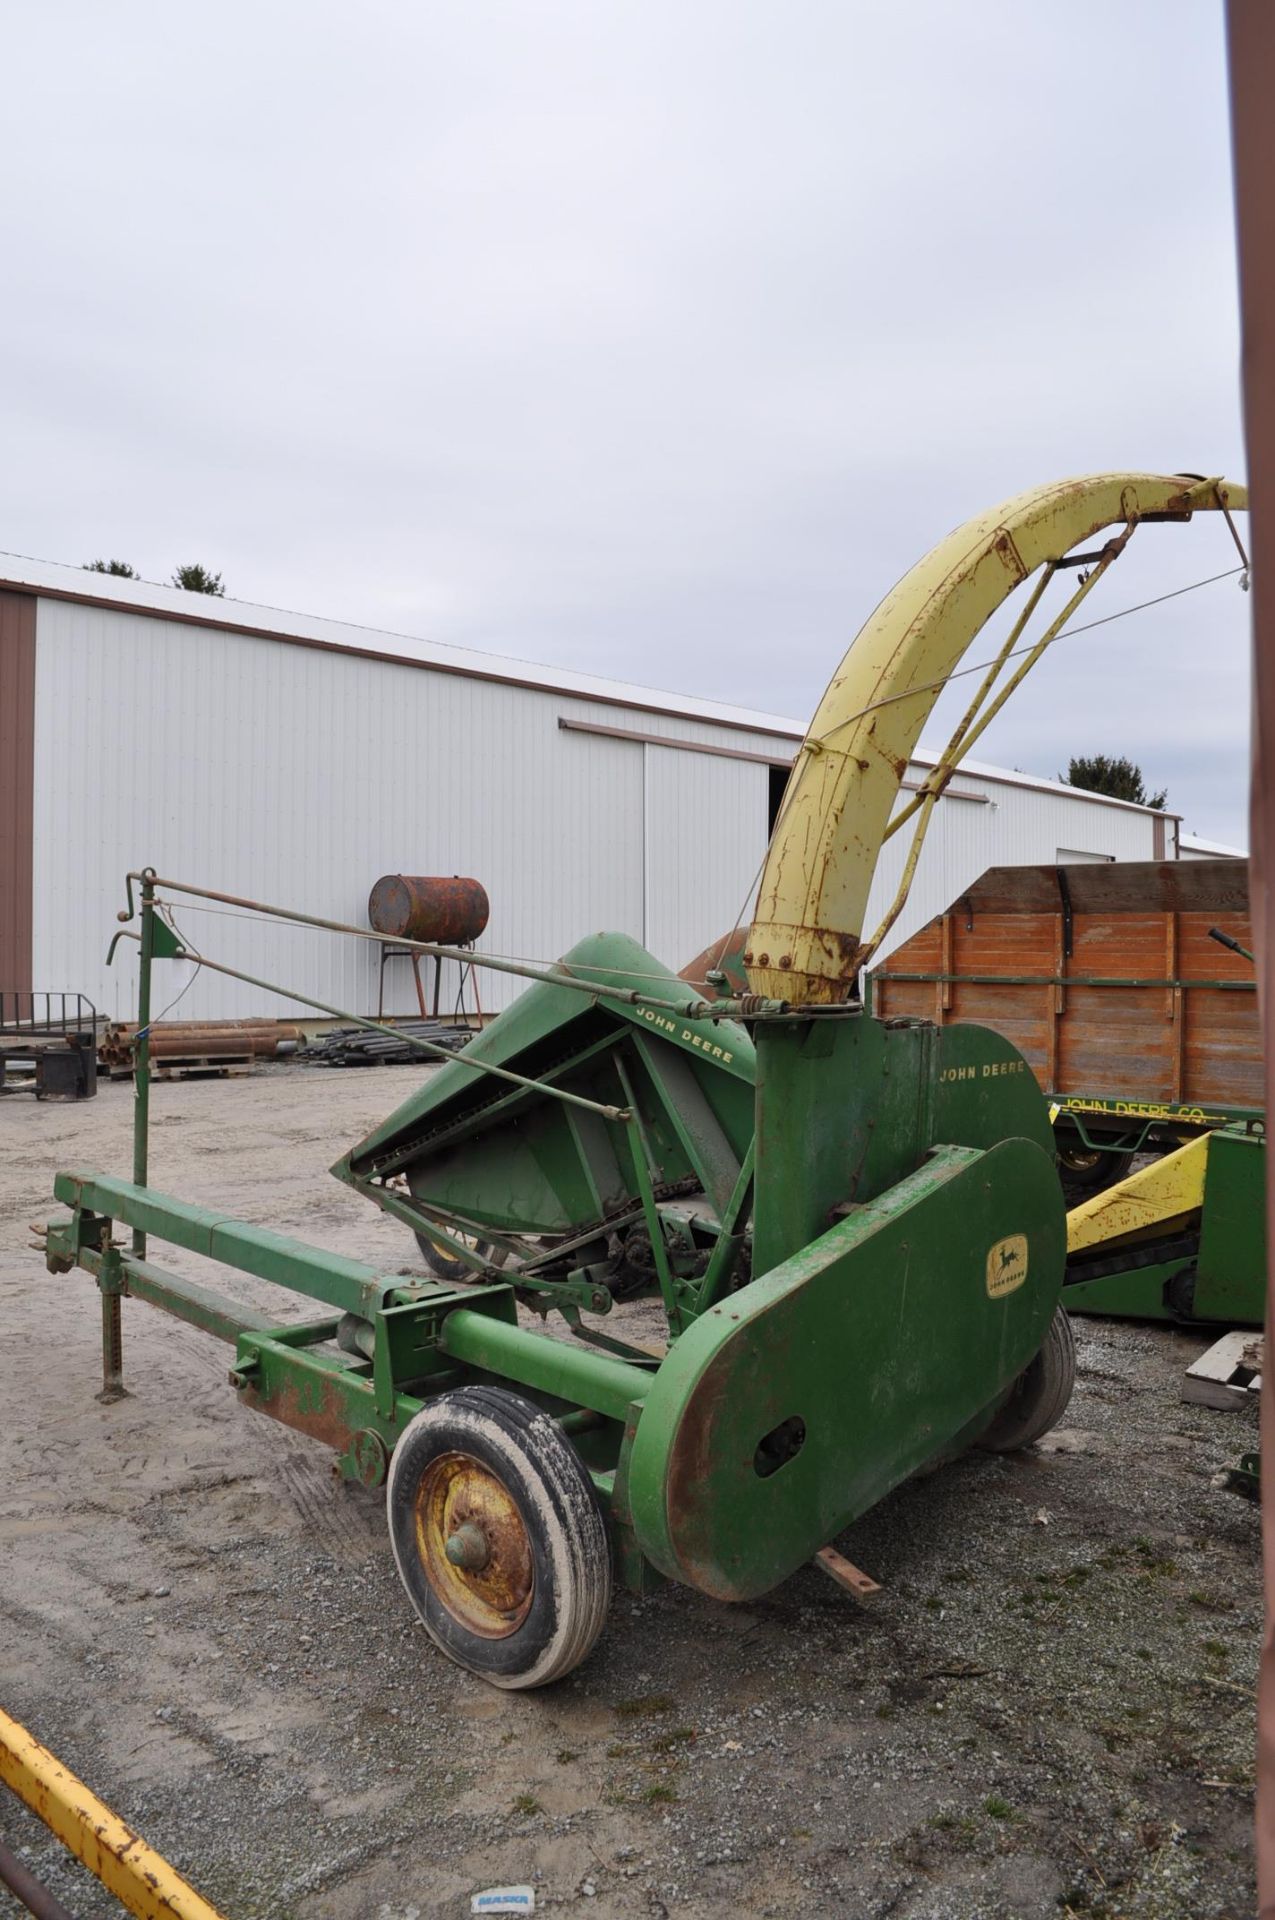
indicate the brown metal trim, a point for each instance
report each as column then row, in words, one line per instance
column 1217, row 886
column 949, row 793
column 636, row 739
column 622, row 699
column 1031, row 785
column 17, row 786
column 228, row 624
column 1251, row 59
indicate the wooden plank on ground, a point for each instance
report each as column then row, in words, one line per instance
column 1228, row 1375
column 846, row 1574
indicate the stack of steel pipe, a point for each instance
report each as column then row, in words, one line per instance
column 359, row 1047
column 201, row 1040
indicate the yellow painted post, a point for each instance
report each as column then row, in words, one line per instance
column 120, row 1858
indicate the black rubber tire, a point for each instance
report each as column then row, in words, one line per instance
column 1179, row 1296
column 1085, row 1171
column 571, row 1559
column 1038, row 1398
column 445, row 1266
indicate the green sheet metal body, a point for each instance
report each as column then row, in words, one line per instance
column 1211, row 1270
column 909, row 1242
column 521, row 1162
column 1230, row 1281
column 878, row 1331
column 908, row 1247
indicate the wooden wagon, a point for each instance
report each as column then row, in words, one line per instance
column 1140, row 1027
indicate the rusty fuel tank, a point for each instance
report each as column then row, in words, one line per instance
column 450, row 911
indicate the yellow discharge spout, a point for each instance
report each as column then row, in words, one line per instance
column 806, row 943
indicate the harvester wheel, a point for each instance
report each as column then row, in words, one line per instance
column 498, row 1537
column 1038, row 1398
column 1085, row 1171
column 445, row 1266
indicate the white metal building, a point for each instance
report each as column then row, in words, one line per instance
column 1192, row 847
column 295, row 760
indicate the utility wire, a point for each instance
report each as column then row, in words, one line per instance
column 155, row 1019
column 1067, row 633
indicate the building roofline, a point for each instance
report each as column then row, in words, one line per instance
column 1220, row 847
column 57, row 580
column 1011, row 777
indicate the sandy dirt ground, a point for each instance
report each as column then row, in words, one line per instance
column 1048, row 1711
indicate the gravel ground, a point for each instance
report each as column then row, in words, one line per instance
column 1048, row 1710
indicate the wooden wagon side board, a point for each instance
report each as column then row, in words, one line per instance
column 1103, row 976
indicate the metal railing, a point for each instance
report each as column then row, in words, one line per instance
column 26, row 1011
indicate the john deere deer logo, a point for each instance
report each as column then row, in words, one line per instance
column 1006, row 1266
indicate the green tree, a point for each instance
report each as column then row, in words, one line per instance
column 197, row 579
column 120, row 568
column 1118, row 777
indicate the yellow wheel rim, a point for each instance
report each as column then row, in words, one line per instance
column 487, row 1580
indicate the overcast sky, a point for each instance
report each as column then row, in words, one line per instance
column 651, row 339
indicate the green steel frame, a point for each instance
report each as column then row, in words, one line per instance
column 1209, row 1269
column 818, row 1250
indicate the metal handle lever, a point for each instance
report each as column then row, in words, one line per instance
column 1228, row 940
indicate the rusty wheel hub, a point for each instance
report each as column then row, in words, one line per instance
column 473, row 1545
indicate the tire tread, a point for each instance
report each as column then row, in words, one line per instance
column 545, row 1457
column 1039, row 1397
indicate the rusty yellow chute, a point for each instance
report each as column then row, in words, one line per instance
column 807, row 944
